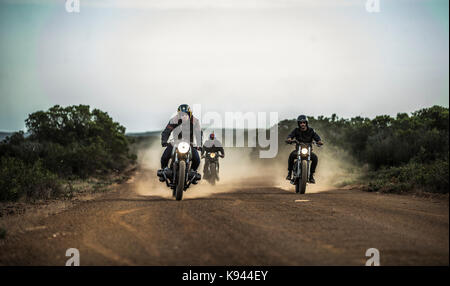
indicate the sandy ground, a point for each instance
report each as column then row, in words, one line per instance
column 257, row 220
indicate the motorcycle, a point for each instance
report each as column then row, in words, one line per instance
column 211, row 170
column 301, row 165
column 179, row 176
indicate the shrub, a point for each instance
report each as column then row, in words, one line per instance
column 62, row 143
column 430, row 177
column 18, row 179
column 71, row 142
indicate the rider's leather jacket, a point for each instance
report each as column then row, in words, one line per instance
column 190, row 130
column 306, row 136
column 212, row 146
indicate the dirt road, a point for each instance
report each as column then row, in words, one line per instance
column 241, row 224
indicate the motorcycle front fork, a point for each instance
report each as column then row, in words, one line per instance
column 299, row 168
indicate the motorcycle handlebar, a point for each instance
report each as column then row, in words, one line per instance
column 203, row 156
column 298, row 142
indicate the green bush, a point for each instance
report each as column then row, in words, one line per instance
column 430, row 177
column 72, row 142
column 18, row 179
column 63, row 143
column 386, row 141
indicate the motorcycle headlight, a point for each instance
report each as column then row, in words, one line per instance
column 183, row 147
column 304, row 151
column 212, row 155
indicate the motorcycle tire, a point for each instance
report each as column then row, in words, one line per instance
column 212, row 173
column 304, row 178
column 181, row 180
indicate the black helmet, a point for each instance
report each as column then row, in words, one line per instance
column 302, row 118
column 185, row 108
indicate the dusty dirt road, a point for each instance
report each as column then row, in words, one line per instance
column 241, row 224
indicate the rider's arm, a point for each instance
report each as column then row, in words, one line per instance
column 316, row 138
column 203, row 149
column 166, row 133
column 173, row 123
column 291, row 135
column 198, row 133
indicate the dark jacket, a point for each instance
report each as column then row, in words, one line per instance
column 304, row 136
column 212, row 146
column 176, row 126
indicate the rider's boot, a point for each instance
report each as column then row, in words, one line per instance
column 160, row 175
column 289, row 175
column 311, row 178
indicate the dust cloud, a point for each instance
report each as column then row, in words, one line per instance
column 239, row 170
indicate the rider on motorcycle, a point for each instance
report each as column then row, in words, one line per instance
column 304, row 134
column 212, row 145
column 183, row 121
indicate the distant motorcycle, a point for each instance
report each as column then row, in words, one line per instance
column 211, row 170
column 301, row 165
column 179, row 177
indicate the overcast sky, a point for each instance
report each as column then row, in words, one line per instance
column 139, row 59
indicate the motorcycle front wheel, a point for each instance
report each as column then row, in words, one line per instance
column 181, row 179
column 304, row 178
column 212, row 173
